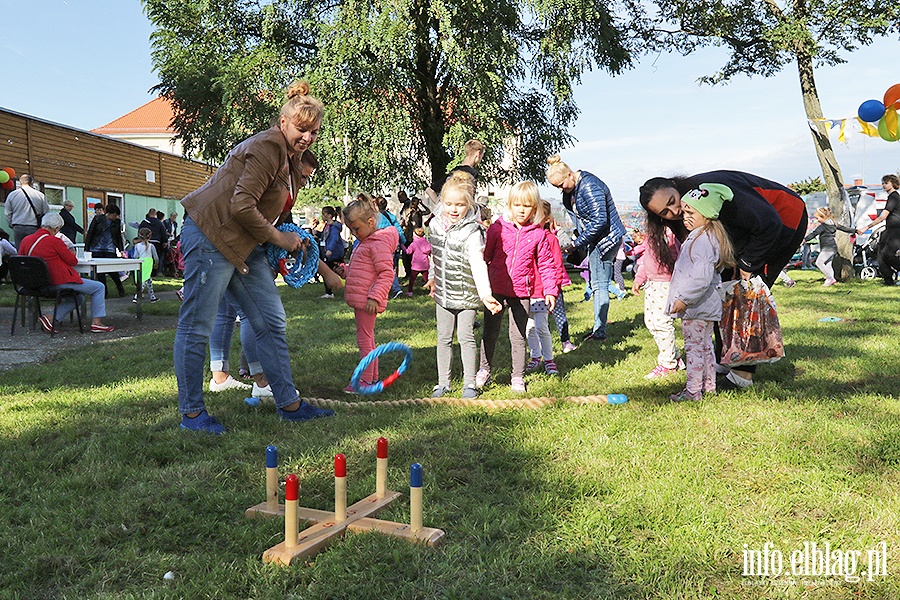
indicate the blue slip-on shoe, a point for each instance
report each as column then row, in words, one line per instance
column 440, row 391
column 204, row 422
column 306, row 412
column 470, row 392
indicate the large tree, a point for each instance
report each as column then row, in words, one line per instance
column 405, row 82
column 764, row 36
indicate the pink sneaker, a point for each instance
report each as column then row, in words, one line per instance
column 829, row 282
column 518, row 385
column 659, row 371
column 567, row 347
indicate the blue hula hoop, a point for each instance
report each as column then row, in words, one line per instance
column 380, row 386
column 295, row 271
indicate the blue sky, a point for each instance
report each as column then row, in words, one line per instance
column 84, row 63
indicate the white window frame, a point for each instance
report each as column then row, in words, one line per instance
column 55, row 187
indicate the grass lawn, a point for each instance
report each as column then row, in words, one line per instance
column 102, row 494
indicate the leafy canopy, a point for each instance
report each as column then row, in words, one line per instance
column 764, row 36
column 405, row 82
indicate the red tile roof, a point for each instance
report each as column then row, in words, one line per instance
column 153, row 117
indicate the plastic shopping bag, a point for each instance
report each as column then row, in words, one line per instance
column 751, row 333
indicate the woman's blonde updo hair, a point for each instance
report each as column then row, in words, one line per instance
column 556, row 168
column 301, row 108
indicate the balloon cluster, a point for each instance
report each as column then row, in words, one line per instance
column 883, row 113
column 8, row 178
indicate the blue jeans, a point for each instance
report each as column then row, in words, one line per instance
column 395, row 286
column 601, row 267
column 220, row 338
column 207, row 277
column 88, row 287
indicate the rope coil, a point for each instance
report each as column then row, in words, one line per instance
column 296, row 270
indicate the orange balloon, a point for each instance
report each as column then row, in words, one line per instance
column 11, row 171
column 892, row 95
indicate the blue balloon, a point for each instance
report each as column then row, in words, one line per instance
column 871, row 111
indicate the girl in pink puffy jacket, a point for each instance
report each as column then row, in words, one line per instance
column 520, row 267
column 369, row 277
column 420, row 250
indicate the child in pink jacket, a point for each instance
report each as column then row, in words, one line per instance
column 520, row 265
column 369, row 277
column 420, row 249
column 654, row 277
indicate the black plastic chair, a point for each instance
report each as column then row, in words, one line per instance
column 31, row 279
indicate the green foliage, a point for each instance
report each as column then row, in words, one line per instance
column 315, row 195
column 405, row 82
column 764, row 37
column 808, row 186
column 224, row 64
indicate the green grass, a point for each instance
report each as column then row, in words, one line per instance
column 101, row 494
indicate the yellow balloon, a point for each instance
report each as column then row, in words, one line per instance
column 887, row 126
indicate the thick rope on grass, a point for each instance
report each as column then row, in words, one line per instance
column 467, row 402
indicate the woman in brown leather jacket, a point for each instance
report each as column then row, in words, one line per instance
column 226, row 222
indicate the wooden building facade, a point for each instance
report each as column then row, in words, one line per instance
column 86, row 168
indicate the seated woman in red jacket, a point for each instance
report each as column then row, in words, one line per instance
column 44, row 244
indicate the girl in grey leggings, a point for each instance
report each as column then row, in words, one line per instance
column 458, row 279
column 827, row 244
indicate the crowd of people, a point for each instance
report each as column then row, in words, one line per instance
column 699, row 231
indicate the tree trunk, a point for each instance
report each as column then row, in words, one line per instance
column 831, row 171
column 428, row 97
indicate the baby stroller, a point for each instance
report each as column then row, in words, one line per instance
column 865, row 254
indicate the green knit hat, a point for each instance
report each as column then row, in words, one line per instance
column 707, row 199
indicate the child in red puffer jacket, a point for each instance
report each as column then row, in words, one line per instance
column 369, row 277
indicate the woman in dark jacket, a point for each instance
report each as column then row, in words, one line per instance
column 104, row 240
column 765, row 220
column 889, row 242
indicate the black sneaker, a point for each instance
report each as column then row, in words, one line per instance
column 724, row 384
column 594, row 336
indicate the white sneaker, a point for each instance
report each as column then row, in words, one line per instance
column 262, row 392
column 327, row 296
column 229, row 384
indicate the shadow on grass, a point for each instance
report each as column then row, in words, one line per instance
column 133, row 497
